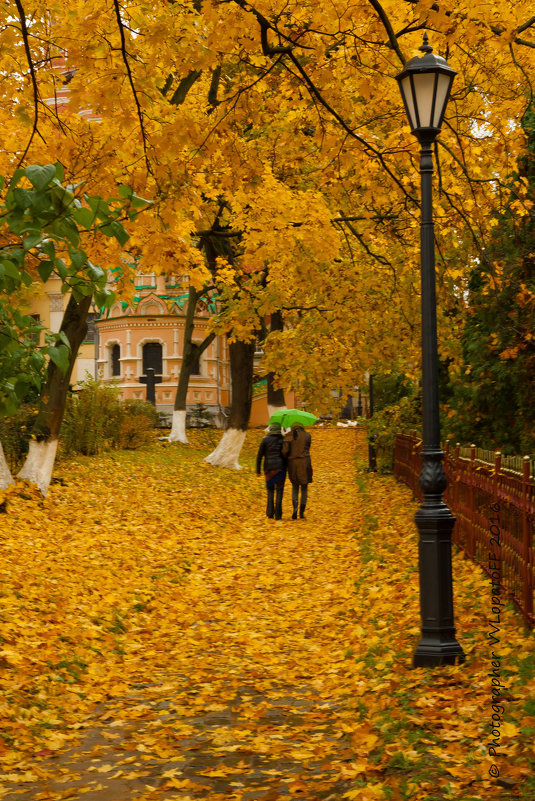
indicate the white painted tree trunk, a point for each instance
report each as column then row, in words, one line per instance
column 178, row 427
column 227, row 452
column 5, row 473
column 273, row 409
column 39, row 464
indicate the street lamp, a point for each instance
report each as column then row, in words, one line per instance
column 425, row 85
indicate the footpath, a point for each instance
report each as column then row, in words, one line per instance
column 258, row 660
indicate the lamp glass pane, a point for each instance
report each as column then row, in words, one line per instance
column 443, row 85
column 424, row 88
column 406, row 88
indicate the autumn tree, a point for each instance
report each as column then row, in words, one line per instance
column 44, row 225
column 278, row 101
column 493, row 386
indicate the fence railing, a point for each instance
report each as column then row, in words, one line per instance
column 479, row 483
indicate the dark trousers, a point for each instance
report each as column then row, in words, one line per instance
column 295, row 495
column 274, row 500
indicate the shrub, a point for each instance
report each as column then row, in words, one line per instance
column 92, row 419
column 137, row 424
column 405, row 415
column 97, row 420
column 141, row 408
column 200, row 417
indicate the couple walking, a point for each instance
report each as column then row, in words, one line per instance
column 291, row 454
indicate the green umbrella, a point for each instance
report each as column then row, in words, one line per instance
column 287, row 417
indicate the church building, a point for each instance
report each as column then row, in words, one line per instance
column 149, row 333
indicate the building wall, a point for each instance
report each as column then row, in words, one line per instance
column 132, row 332
column 152, row 319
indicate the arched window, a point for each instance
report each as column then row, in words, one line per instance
column 115, row 355
column 152, row 357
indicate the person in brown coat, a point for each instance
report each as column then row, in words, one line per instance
column 296, row 449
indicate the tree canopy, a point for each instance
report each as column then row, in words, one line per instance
column 279, row 126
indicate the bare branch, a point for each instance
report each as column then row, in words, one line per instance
column 33, row 77
column 527, row 25
column 389, row 30
column 131, row 82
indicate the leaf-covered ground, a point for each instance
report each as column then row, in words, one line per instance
column 160, row 639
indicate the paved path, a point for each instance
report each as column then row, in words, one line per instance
column 255, row 706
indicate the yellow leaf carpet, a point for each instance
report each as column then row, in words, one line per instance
column 161, row 639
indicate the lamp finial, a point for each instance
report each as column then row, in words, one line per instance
column 426, row 47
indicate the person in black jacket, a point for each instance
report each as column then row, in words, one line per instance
column 270, row 451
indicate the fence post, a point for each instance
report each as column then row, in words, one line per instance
column 456, row 492
column 472, row 502
column 528, row 550
column 497, row 470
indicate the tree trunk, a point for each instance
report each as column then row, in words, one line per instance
column 190, row 353
column 6, row 479
column 275, row 397
column 241, row 375
column 44, row 443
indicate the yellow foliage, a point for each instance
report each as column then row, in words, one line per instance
column 301, row 153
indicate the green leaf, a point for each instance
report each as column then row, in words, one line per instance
column 15, row 178
column 64, row 339
column 61, row 268
column 49, row 248
column 40, row 176
column 116, row 230
column 23, row 197
column 60, row 171
column 6, row 336
column 85, row 217
column 37, row 360
column 45, row 270
column 33, row 239
column 60, row 356
column 99, row 206
column 78, row 259
column 95, row 272
column 105, row 298
column 11, row 270
column 70, row 232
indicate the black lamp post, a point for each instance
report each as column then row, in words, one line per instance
column 425, row 85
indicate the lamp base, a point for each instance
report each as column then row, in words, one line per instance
column 433, row 653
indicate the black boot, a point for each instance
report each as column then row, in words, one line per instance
column 302, row 510
column 294, row 515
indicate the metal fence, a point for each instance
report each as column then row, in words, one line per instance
column 485, row 489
